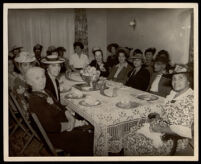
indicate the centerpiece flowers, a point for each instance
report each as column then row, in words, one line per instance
column 90, row 75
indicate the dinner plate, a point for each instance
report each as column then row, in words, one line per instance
column 74, row 77
column 147, row 97
column 129, row 105
column 86, row 87
column 71, row 96
column 65, row 90
column 84, row 103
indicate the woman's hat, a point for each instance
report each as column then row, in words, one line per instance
column 53, row 59
column 25, row 57
column 15, row 48
column 137, row 54
column 162, row 59
column 51, row 48
column 125, row 50
column 180, row 68
column 94, row 49
column 37, row 46
column 109, row 47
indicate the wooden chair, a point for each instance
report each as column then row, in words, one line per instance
column 22, row 122
column 53, row 150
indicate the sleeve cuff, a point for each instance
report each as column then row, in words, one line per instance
column 181, row 130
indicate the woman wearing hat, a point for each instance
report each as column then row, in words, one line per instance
column 120, row 71
column 78, row 60
column 165, row 54
column 64, row 66
column 15, row 50
column 98, row 62
column 149, row 56
column 112, row 59
column 139, row 77
column 160, row 84
column 37, row 49
column 174, row 119
column 24, row 61
column 53, row 63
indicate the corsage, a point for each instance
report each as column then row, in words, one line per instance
column 49, row 100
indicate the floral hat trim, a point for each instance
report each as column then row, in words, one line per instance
column 179, row 69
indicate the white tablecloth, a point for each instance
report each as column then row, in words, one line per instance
column 110, row 122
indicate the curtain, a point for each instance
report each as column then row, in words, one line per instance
column 191, row 50
column 81, row 29
column 47, row 27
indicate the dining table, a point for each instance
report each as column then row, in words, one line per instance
column 111, row 122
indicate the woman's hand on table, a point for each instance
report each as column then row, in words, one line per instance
column 71, row 120
column 66, row 126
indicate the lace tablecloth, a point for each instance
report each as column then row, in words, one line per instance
column 111, row 123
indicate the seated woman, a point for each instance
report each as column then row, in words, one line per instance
column 138, row 77
column 24, row 61
column 37, row 49
column 149, row 56
column 120, row 71
column 164, row 53
column 112, row 59
column 159, row 83
column 174, row 117
column 98, row 62
column 53, row 64
column 78, row 60
column 65, row 65
column 58, row 122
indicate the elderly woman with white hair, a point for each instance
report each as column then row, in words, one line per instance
column 174, row 119
column 61, row 127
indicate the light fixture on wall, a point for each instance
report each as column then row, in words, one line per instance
column 132, row 23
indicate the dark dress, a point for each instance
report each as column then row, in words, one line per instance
column 140, row 80
column 112, row 61
column 50, row 86
column 103, row 73
column 122, row 76
column 164, row 85
column 50, row 115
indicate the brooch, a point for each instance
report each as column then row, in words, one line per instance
column 49, row 100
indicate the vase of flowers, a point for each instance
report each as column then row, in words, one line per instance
column 90, row 75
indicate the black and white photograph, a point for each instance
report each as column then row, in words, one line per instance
column 100, row 82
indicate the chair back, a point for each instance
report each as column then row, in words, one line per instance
column 19, row 109
column 44, row 134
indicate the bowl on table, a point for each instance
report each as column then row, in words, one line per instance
column 147, row 97
column 126, row 104
column 90, row 101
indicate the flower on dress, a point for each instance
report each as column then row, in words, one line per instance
column 20, row 90
column 49, row 100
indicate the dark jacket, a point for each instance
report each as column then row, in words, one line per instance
column 164, row 86
column 50, row 86
column 95, row 64
column 75, row 142
column 122, row 76
column 140, row 80
column 112, row 61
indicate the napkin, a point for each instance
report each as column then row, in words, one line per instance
column 154, row 136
